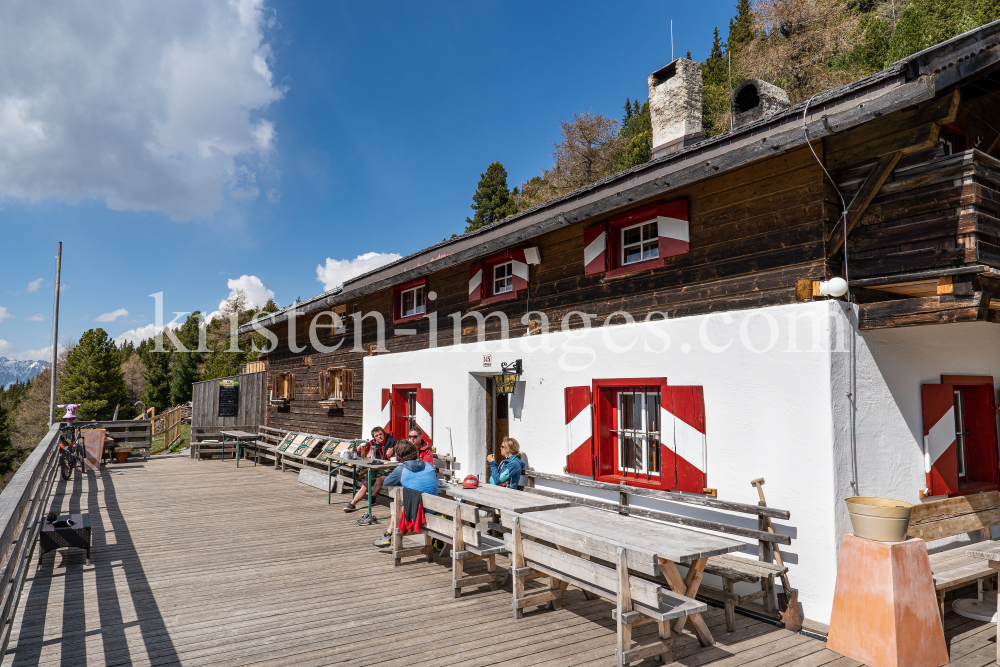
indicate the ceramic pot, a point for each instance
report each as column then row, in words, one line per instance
column 121, row 456
column 879, row 519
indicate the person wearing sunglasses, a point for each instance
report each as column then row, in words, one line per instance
column 415, row 437
column 381, row 446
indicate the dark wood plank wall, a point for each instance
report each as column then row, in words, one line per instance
column 754, row 232
column 253, row 399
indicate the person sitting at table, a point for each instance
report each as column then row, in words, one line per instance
column 414, row 473
column 508, row 473
column 381, row 446
column 415, row 436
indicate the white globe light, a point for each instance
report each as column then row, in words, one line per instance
column 834, row 287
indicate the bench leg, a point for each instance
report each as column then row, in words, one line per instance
column 940, row 597
column 767, row 583
column 491, row 567
column 727, row 587
column 428, row 548
column 457, row 572
column 517, row 561
column 666, row 636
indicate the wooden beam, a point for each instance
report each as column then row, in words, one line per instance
column 920, row 310
column 873, row 183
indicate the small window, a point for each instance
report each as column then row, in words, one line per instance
column 336, row 385
column 503, row 278
column 282, row 388
column 640, row 243
column 412, row 302
column 639, row 432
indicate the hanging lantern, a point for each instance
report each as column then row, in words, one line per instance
column 505, row 383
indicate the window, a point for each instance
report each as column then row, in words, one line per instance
column 336, row 385
column 953, row 139
column 640, row 243
column 638, row 433
column 409, row 301
column 406, row 406
column 960, row 443
column 282, row 388
column 503, row 278
column 412, row 302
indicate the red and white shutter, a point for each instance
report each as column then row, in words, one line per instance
column 579, row 431
column 385, row 420
column 519, row 270
column 476, row 282
column 682, row 430
column 940, row 440
column 672, row 228
column 425, row 414
column 595, row 250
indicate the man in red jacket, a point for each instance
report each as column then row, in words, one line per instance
column 416, row 438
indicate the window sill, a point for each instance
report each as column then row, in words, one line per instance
column 652, row 483
column 974, row 488
column 409, row 318
column 636, row 268
column 506, row 296
column 332, row 403
column 278, row 402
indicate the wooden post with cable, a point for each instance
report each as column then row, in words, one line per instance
column 788, row 599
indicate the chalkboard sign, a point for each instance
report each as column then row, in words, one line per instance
column 229, row 398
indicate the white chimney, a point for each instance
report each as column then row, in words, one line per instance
column 675, row 106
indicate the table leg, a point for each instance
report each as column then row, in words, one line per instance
column 328, row 485
column 237, row 452
column 222, row 456
column 688, row 588
column 369, row 490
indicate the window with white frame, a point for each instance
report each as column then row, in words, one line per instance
column 639, row 431
column 503, row 278
column 640, row 243
column 411, row 302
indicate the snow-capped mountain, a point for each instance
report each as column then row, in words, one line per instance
column 12, row 370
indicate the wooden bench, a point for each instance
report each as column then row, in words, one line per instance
column 578, row 559
column 730, row 568
column 458, row 525
column 938, row 519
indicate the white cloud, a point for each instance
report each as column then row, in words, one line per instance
column 37, row 317
column 337, row 271
column 140, row 334
column 146, row 106
column 42, row 354
column 35, row 284
column 4, row 315
column 112, row 316
column 252, row 286
column 4, row 345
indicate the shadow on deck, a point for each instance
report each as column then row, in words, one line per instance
column 197, row 563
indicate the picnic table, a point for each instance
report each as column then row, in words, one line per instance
column 670, row 545
column 503, row 499
column 239, row 436
column 335, row 463
column 991, row 552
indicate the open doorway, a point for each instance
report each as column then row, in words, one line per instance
column 497, row 422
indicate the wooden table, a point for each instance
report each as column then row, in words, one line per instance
column 991, row 552
column 239, row 436
column 368, row 465
column 671, row 545
column 500, row 498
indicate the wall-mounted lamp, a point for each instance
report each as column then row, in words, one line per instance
column 506, row 382
column 835, row 287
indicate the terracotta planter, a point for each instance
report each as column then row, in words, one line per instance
column 121, row 456
column 879, row 519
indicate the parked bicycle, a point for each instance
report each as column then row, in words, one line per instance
column 71, row 449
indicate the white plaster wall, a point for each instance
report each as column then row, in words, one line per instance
column 891, row 366
column 767, row 385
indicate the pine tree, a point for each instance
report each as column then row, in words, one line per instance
column 93, row 376
column 715, row 89
column 492, row 201
column 157, row 380
column 185, row 370
column 741, row 26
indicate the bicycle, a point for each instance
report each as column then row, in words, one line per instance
column 71, row 448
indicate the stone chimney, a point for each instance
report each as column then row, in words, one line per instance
column 675, row 106
column 753, row 99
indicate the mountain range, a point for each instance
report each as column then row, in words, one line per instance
column 12, row 370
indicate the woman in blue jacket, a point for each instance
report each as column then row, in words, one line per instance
column 508, row 473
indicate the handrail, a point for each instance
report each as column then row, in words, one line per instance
column 22, row 504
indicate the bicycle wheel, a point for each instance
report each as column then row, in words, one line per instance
column 65, row 466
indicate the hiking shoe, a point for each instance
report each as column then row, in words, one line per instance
column 367, row 519
column 383, row 541
column 350, row 507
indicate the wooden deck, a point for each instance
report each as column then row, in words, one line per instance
column 197, row 563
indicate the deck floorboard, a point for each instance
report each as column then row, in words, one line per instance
column 196, row 563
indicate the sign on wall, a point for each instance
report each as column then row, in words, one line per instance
column 229, row 398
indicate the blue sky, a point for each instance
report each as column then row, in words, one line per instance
column 203, row 145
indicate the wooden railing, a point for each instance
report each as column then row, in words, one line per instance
column 22, row 505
